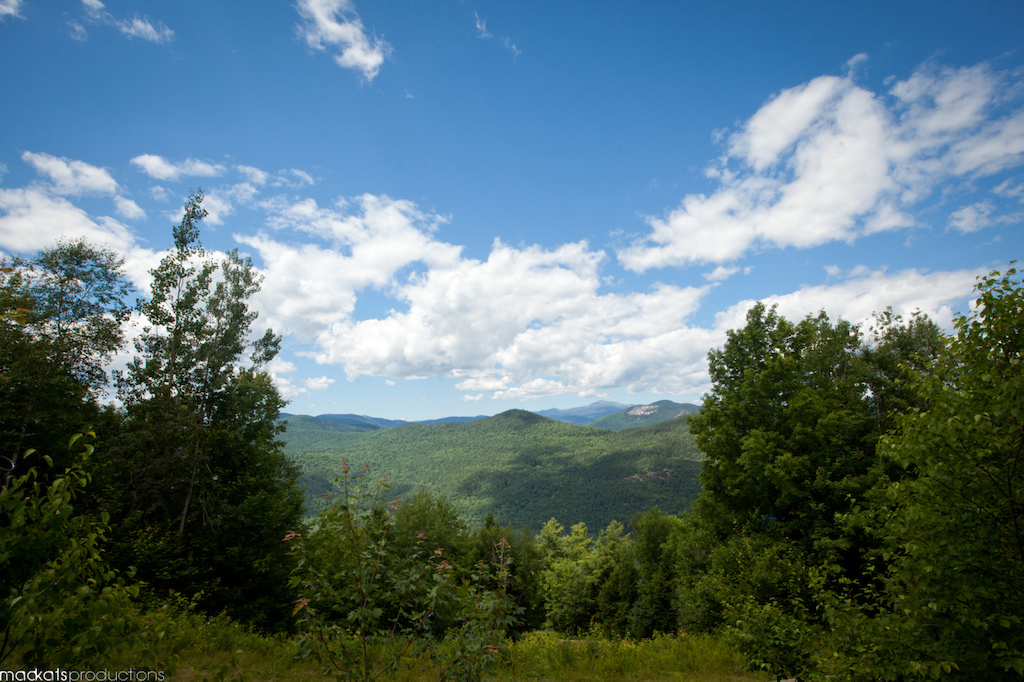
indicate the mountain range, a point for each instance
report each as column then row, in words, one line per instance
column 521, row 467
column 615, row 416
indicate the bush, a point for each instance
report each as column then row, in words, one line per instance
column 61, row 604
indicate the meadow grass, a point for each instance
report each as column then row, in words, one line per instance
column 193, row 647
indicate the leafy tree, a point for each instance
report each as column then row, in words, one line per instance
column 791, row 429
column 791, row 425
column 654, row 610
column 950, row 600
column 80, row 295
column 68, row 307
column 569, row 586
column 206, row 491
column 615, row 578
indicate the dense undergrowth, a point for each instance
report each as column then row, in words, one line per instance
column 186, row 645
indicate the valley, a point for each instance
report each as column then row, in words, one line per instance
column 519, row 467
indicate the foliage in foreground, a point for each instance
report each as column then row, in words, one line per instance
column 61, row 604
column 949, row 601
column 365, row 605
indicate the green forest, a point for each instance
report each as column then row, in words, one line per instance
column 847, row 503
column 517, row 466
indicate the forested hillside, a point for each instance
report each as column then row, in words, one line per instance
column 517, row 466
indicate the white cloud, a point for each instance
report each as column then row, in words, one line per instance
column 128, row 209
column 160, row 193
column 299, row 178
column 720, row 273
column 864, row 292
column 218, row 206
column 137, row 27
column 10, row 8
column 528, row 322
column 1009, row 190
column 142, row 27
column 971, row 218
column 78, row 31
column 830, row 161
column 311, row 287
column 335, row 22
column 279, row 371
column 319, row 383
column 254, row 175
column 524, row 323
column 71, row 177
column 159, row 168
column 292, row 177
column 31, row 219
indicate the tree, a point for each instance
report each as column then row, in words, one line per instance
column 79, row 294
column 790, row 430
column 69, row 304
column 791, row 425
column 950, row 599
column 208, row 492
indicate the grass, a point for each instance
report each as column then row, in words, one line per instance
column 192, row 647
column 210, row 649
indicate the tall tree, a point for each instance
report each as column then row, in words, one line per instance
column 792, row 422
column 950, row 600
column 791, row 429
column 209, row 490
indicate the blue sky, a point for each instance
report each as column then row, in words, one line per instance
column 463, row 207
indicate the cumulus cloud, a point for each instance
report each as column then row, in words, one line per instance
column 526, row 322
column 523, row 323
column 280, row 371
column 335, row 23
column 863, row 292
column 70, row 176
column 831, row 161
column 159, row 168
column 362, row 243
column 720, row 273
column 32, row 219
